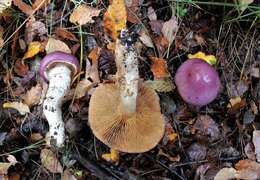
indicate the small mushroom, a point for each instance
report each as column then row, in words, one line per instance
column 126, row 114
column 197, row 82
column 57, row 68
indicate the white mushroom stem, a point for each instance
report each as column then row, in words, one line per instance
column 59, row 82
column 128, row 75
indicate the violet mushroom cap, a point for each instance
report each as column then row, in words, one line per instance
column 56, row 57
column 197, row 82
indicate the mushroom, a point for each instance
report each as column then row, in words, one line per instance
column 197, row 82
column 126, row 114
column 57, row 68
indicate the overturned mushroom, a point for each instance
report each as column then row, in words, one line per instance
column 197, row 82
column 126, row 115
column 57, row 68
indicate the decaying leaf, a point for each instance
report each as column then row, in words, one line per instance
column 65, row 34
column 50, row 161
column 33, row 96
column 21, row 68
column 226, row 174
column 34, row 48
column 170, row 29
column 34, row 28
column 4, row 4
column 256, row 141
column 151, row 14
column 159, row 67
column 170, row 135
column 146, row 39
column 171, row 158
column 113, row 156
column 115, row 18
column 161, row 84
column 92, row 71
column 25, row 8
column 1, row 37
column 56, row 45
column 19, row 106
column 83, row 14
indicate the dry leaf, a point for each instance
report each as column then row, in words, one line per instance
column 161, row 84
column 146, row 39
column 19, row 106
column 171, row 158
column 4, row 169
column 170, row 29
column 25, row 8
column 1, row 37
column 65, row 34
column 50, row 161
column 21, row 68
column 235, row 104
column 56, row 45
column 83, row 14
column 4, row 4
column 39, row 3
column 256, row 141
column 36, row 137
column 33, row 96
column 34, row 28
column 34, row 48
column 151, row 14
column 226, row 174
column 247, row 169
column 159, row 67
column 115, row 18
column 113, row 156
column 67, row 175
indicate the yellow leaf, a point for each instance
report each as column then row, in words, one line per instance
column 4, row 4
column 113, row 156
column 83, row 14
column 115, row 18
column 159, row 67
column 234, row 101
column 34, row 48
column 211, row 59
column 19, row 106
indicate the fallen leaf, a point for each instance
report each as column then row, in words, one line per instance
column 33, row 96
column 247, row 169
column 236, row 104
column 34, row 48
column 197, row 152
column 65, row 34
column 226, row 174
column 156, row 26
column 36, row 137
column 83, row 14
column 211, row 59
column 133, row 9
column 21, row 68
column 39, row 4
column 146, row 39
column 171, row 158
column 19, row 106
column 56, row 45
column 159, row 67
column 25, row 8
column 170, row 29
column 67, row 175
column 170, row 135
column 4, row 169
column 34, row 28
column 256, row 142
column 161, row 84
column 151, row 14
column 113, row 156
column 243, row 4
column 161, row 44
column 50, row 161
column 1, row 37
column 115, row 18
column 4, row 4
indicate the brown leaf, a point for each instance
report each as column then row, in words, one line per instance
column 50, row 161
column 146, row 39
column 161, row 84
column 115, row 18
column 65, row 34
column 171, row 158
column 33, row 96
column 34, row 48
column 34, row 28
column 207, row 127
column 25, row 8
column 161, row 44
column 133, row 10
column 83, row 14
column 1, row 37
column 170, row 29
column 248, row 169
column 56, row 45
column 67, row 175
column 156, row 26
column 20, row 68
column 159, row 67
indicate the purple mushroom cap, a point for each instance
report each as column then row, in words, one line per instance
column 197, row 82
column 58, row 57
